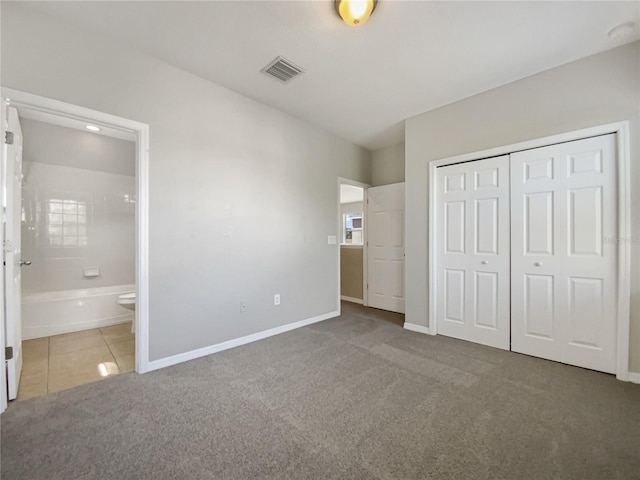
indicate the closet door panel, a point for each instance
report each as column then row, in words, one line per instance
column 473, row 251
column 563, row 203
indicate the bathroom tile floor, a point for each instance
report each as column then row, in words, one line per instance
column 51, row 364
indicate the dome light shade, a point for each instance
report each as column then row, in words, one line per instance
column 355, row 12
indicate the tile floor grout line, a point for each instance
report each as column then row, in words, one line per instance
column 115, row 359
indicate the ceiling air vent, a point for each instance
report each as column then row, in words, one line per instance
column 282, row 69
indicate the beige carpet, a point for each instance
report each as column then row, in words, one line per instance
column 355, row 397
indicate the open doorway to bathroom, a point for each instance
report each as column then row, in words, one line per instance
column 352, row 239
column 76, row 302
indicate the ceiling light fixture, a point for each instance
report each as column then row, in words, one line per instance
column 355, row 12
column 93, row 128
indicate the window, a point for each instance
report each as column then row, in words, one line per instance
column 352, row 225
column 67, row 223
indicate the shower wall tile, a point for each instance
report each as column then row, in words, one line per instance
column 75, row 218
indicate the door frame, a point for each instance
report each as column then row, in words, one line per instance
column 364, row 186
column 621, row 129
column 18, row 98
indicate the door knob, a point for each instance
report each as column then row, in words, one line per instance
column 538, row 264
column 25, row 262
column 484, row 262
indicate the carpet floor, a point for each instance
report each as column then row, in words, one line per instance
column 356, row 397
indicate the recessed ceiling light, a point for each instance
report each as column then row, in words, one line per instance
column 93, row 128
column 622, row 30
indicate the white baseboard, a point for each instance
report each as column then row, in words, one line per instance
column 38, row 331
column 416, row 328
column 236, row 342
column 351, row 299
column 633, row 377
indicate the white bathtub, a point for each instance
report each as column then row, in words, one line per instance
column 53, row 313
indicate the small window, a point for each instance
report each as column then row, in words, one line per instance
column 352, row 223
column 67, row 223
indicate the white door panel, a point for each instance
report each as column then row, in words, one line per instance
column 385, row 236
column 564, row 271
column 12, row 255
column 473, row 251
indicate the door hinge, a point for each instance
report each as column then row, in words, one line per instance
column 8, row 353
column 8, row 137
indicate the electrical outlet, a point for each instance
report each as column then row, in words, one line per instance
column 243, row 306
column 276, row 299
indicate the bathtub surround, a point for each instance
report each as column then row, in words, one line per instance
column 77, row 218
column 56, row 312
column 79, row 207
column 242, row 196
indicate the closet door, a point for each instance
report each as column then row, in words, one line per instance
column 473, row 251
column 563, row 206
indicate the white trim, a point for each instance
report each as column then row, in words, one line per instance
column 351, row 299
column 236, row 342
column 412, row 327
column 621, row 129
column 365, row 248
column 42, row 104
column 364, row 186
column 3, row 361
column 633, row 377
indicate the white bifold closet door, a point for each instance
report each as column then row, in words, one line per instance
column 473, row 251
column 564, row 254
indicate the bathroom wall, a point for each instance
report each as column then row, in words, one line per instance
column 76, row 217
column 242, row 196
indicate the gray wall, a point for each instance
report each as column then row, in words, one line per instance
column 597, row 90
column 387, row 165
column 242, row 196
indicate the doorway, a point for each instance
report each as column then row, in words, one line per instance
column 352, row 241
column 65, row 218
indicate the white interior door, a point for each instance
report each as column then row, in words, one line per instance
column 385, row 237
column 473, row 251
column 12, row 249
column 564, row 288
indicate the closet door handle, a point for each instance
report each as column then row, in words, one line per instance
column 538, row 264
column 484, row 262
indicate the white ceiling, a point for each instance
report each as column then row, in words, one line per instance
column 360, row 83
column 351, row 194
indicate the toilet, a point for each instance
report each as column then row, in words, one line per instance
column 127, row 300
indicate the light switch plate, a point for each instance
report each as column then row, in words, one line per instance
column 332, row 240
